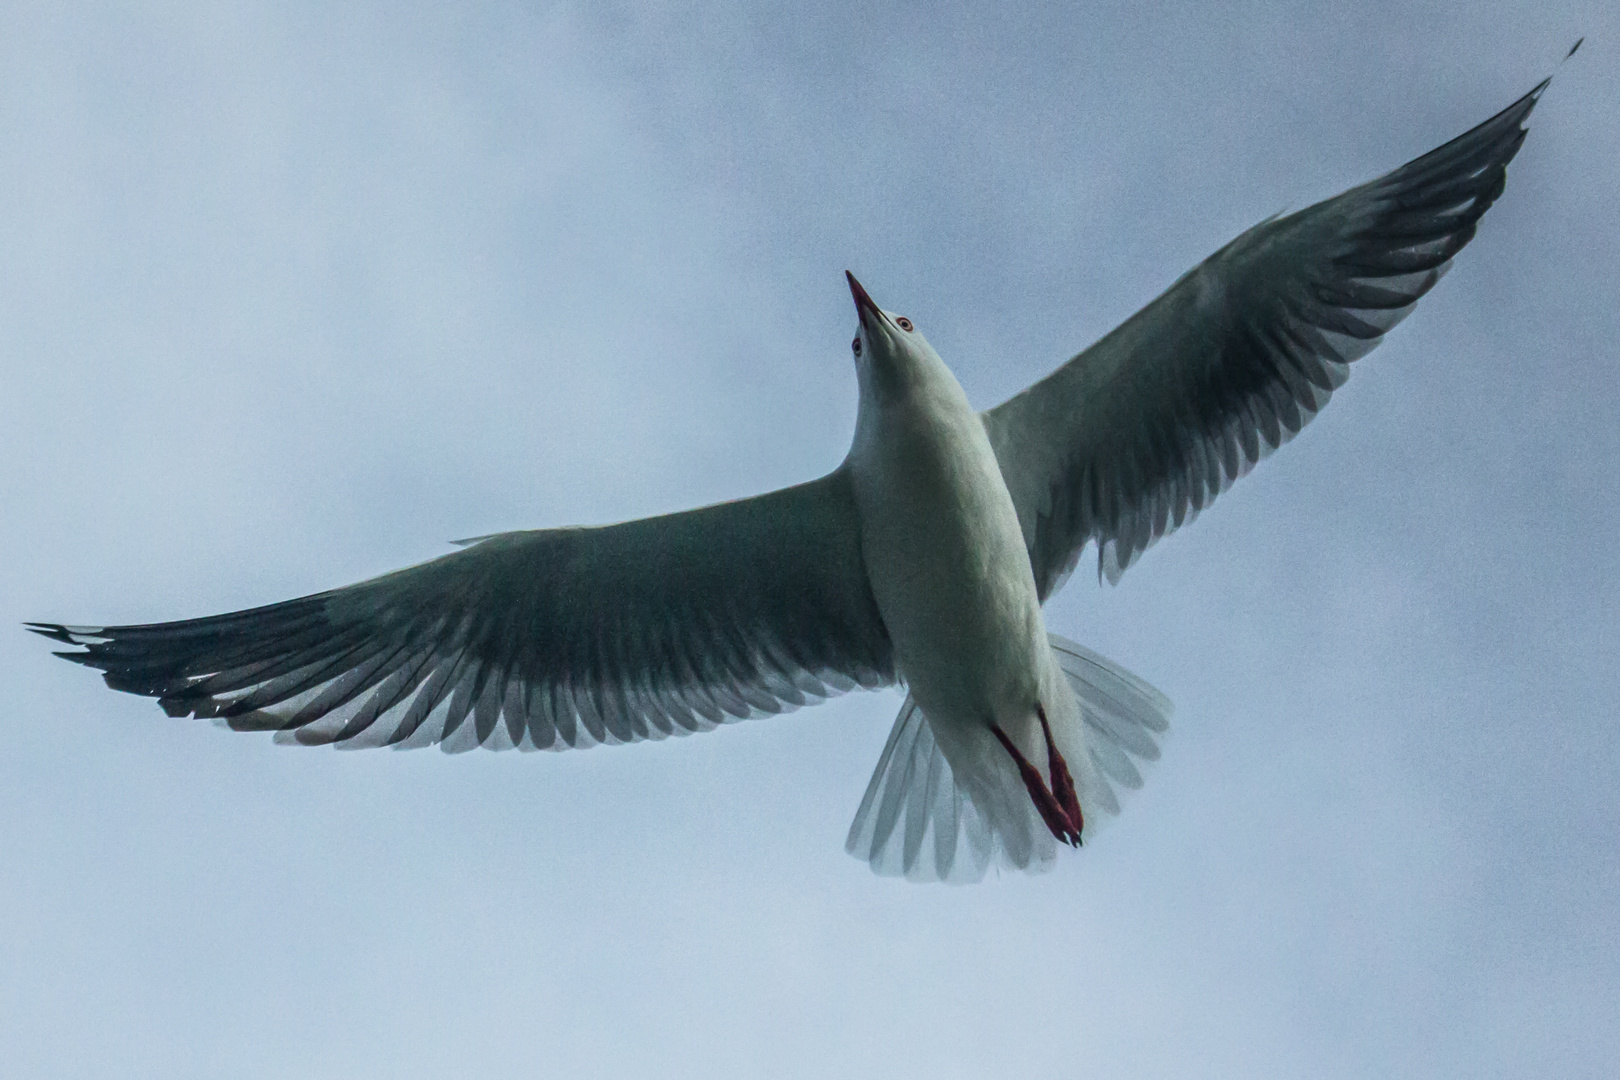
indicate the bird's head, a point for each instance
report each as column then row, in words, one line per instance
column 890, row 353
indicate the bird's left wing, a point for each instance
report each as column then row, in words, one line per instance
column 540, row 640
column 1137, row 434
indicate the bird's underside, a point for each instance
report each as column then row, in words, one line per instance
column 563, row 638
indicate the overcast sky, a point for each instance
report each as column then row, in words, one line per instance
column 291, row 297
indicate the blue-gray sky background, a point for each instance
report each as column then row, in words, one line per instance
column 291, row 296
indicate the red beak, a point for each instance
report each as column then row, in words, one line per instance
column 863, row 302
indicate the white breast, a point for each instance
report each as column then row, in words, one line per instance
column 946, row 556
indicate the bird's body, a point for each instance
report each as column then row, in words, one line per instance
column 923, row 560
column 938, row 532
column 946, row 559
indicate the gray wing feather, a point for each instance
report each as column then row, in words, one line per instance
column 539, row 640
column 1134, row 436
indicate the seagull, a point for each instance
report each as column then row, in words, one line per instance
column 922, row 561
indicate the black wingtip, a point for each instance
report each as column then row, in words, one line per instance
column 1573, row 49
column 64, row 634
column 54, row 631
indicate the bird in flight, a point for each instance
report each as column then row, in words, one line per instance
column 923, row 560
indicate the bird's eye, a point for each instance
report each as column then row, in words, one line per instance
column 856, row 344
column 903, row 323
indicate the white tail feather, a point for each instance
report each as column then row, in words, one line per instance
column 914, row 821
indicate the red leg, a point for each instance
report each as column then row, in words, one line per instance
column 1051, row 811
column 1062, row 782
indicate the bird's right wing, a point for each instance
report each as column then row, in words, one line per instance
column 1134, row 436
column 540, row 640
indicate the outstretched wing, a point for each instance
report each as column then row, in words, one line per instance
column 1137, row 434
column 540, row 640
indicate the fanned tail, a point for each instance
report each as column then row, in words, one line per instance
column 916, row 821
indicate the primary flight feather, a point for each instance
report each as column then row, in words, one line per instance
column 923, row 559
